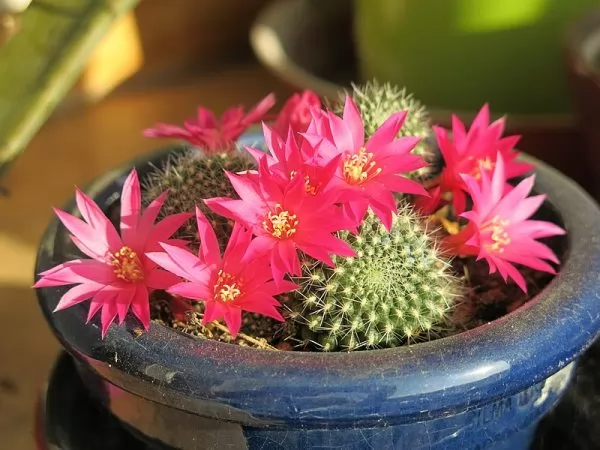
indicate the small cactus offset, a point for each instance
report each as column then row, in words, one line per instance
column 398, row 287
column 189, row 178
column 377, row 102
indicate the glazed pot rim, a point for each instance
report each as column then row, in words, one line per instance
column 492, row 361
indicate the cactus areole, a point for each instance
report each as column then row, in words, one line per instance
column 483, row 388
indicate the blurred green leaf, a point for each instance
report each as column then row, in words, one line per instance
column 42, row 61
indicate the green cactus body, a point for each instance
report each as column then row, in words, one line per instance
column 377, row 102
column 189, row 178
column 396, row 289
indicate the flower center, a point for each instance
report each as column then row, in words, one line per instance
column 227, row 287
column 500, row 238
column 360, row 167
column 308, row 187
column 480, row 165
column 280, row 223
column 126, row 265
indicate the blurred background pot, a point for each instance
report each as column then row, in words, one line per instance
column 310, row 45
column 583, row 69
column 459, row 54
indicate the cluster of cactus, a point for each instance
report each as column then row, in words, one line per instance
column 398, row 288
column 191, row 176
column 377, row 102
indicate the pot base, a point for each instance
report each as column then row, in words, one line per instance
column 68, row 419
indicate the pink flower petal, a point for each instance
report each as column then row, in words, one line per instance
column 192, row 290
column 289, row 257
column 92, row 244
column 258, row 154
column 317, row 252
column 238, row 243
column 123, row 301
column 163, row 130
column 101, row 298
column 233, row 320
column 209, row 248
column 245, row 188
column 179, row 262
column 77, row 295
column 131, row 204
column 257, row 304
column 94, row 216
column 537, row 229
column 256, row 113
column 213, row 311
column 342, row 134
column 397, row 183
column 354, row 121
column 140, row 305
column 386, row 215
column 509, row 271
column 77, row 271
column 164, row 229
column 146, row 222
column 107, row 316
column 513, row 200
column 161, row 279
column 260, row 246
column 386, row 132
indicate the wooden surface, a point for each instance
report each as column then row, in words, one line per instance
column 71, row 149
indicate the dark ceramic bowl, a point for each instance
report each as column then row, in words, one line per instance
column 67, row 418
column 486, row 388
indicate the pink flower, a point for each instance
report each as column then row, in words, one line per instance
column 368, row 172
column 227, row 285
column 119, row 276
column 499, row 229
column 474, row 152
column 294, row 157
column 212, row 135
column 296, row 113
column 285, row 219
column 430, row 204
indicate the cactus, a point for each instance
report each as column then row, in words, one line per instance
column 377, row 102
column 189, row 178
column 398, row 287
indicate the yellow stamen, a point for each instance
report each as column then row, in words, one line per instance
column 499, row 236
column 227, row 288
column 360, row 167
column 308, row 187
column 482, row 164
column 127, row 265
column 280, row 223
column 451, row 227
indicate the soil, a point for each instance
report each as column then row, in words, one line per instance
column 487, row 298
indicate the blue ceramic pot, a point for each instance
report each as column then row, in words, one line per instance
column 486, row 388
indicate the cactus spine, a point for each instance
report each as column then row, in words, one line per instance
column 377, row 102
column 189, row 178
column 398, row 287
